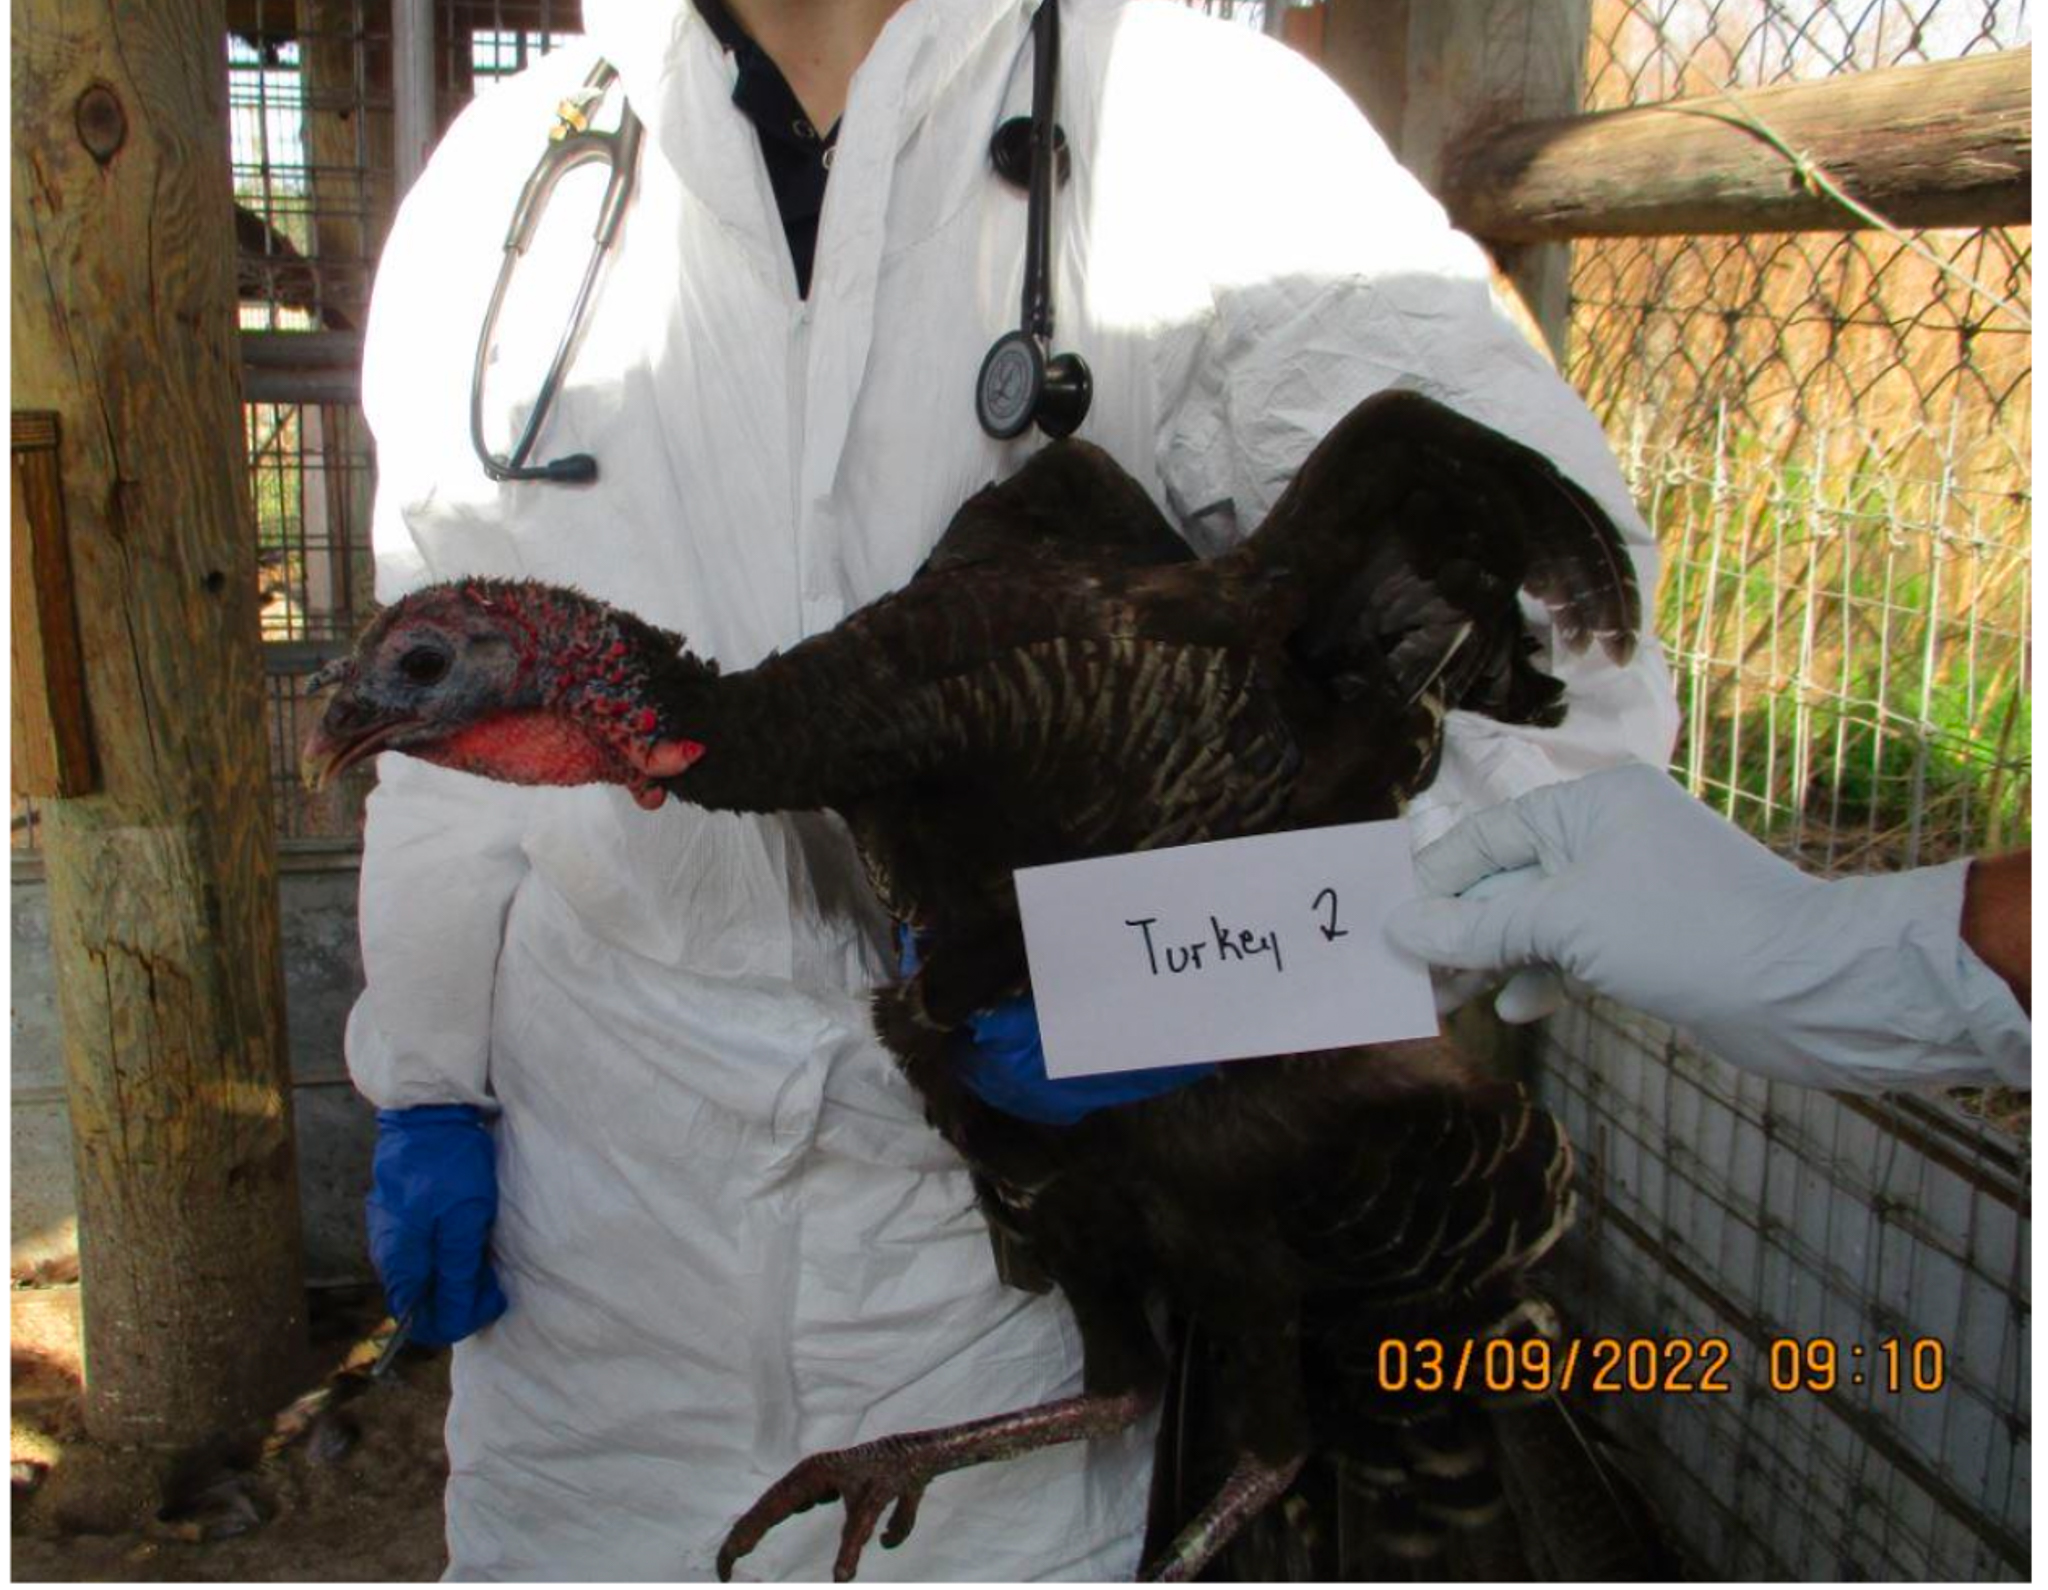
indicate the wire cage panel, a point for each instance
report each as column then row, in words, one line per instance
column 1719, row 1205
column 310, row 474
column 311, row 129
column 478, row 42
column 310, row 137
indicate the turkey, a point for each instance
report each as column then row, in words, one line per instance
column 1063, row 679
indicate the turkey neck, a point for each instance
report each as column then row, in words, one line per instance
column 819, row 727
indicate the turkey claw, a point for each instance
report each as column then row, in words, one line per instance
column 866, row 1478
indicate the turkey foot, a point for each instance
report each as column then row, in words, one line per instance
column 1251, row 1485
column 869, row 1477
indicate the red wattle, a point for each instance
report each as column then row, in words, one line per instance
column 530, row 748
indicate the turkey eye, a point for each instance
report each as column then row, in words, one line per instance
column 423, row 665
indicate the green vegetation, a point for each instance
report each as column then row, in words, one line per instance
column 1851, row 645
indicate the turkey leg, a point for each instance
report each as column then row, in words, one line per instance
column 1251, row 1486
column 896, row 1469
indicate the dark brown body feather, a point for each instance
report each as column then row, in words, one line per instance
column 1063, row 680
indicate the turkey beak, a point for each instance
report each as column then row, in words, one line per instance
column 348, row 731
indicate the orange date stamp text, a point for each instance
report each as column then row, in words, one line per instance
column 1662, row 1366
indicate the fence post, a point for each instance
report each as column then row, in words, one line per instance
column 1432, row 73
column 162, row 883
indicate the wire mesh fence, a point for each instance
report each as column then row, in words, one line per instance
column 310, row 129
column 311, row 137
column 1829, row 433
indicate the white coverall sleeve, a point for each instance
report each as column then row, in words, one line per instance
column 1333, row 275
column 441, row 861
column 442, row 851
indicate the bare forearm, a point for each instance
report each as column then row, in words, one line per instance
column 1998, row 918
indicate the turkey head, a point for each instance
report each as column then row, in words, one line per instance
column 517, row 682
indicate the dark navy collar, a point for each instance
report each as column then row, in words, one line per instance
column 798, row 156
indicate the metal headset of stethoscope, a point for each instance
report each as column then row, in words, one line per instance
column 1022, row 380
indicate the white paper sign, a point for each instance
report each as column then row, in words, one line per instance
column 1244, row 947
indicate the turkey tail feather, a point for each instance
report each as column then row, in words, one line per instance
column 1581, row 1516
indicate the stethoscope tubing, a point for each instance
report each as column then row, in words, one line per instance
column 1058, row 387
column 1045, row 69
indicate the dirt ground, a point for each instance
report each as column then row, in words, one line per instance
column 345, row 1488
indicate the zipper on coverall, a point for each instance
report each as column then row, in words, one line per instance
column 797, row 384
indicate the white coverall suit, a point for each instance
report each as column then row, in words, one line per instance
column 727, row 1236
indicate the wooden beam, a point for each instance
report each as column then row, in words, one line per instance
column 1947, row 144
column 1429, row 73
column 162, row 885
column 301, row 350
column 52, row 742
column 313, row 367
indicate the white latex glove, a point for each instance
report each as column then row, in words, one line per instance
column 1631, row 888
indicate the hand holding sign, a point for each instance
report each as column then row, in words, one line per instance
column 1269, row 945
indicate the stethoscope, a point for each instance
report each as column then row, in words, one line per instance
column 1022, row 381
column 572, row 142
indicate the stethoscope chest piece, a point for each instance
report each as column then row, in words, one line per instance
column 1022, row 382
column 1019, row 384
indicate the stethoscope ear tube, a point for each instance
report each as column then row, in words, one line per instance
column 575, row 468
column 572, row 143
column 1045, row 69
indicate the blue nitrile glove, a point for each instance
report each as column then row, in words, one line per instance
column 434, row 1194
column 1002, row 1062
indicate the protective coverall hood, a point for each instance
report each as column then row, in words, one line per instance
column 726, row 1235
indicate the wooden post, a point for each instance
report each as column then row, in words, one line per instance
column 163, row 898
column 416, row 125
column 1430, row 73
column 1949, row 143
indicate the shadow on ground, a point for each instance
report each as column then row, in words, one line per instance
column 345, row 1488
